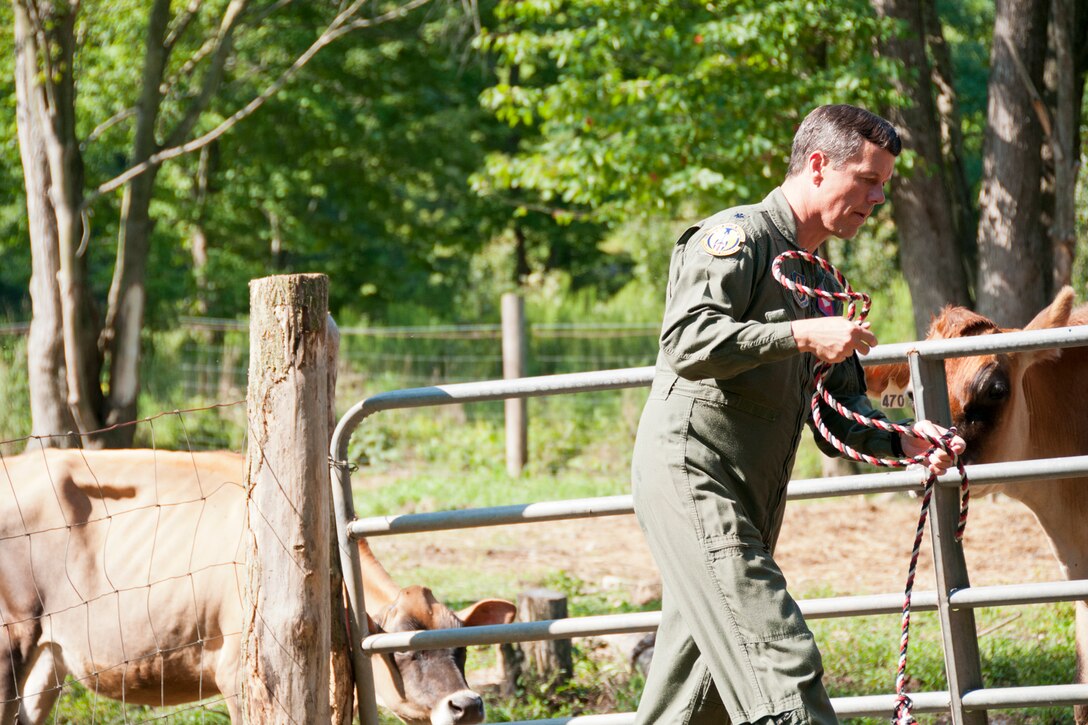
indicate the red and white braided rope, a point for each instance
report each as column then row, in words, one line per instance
column 902, row 714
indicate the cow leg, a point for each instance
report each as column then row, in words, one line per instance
column 226, row 679
column 11, row 665
column 1080, row 712
column 17, row 647
column 42, row 688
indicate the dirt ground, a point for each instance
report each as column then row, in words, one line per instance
column 845, row 545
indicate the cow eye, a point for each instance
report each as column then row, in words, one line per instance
column 997, row 390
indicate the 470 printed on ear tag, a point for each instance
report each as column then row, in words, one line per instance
column 723, row 240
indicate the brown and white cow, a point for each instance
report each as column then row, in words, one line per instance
column 1019, row 406
column 124, row 570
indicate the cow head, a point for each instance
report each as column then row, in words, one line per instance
column 985, row 392
column 428, row 687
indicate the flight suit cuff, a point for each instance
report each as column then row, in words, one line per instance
column 781, row 339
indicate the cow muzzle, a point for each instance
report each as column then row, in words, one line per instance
column 463, row 707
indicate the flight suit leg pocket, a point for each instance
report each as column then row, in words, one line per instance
column 781, row 652
column 754, row 588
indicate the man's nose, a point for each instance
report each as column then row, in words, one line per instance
column 876, row 195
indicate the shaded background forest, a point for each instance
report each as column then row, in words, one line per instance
column 432, row 155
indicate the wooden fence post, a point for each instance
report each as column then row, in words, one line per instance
column 286, row 632
column 515, row 346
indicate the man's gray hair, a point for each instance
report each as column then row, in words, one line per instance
column 839, row 131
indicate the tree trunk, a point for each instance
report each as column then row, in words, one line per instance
column 127, row 300
column 1014, row 257
column 64, row 338
column 930, row 253
column 1061, row 79
column 45, row 346
column 948, row 113
column 1064, row 78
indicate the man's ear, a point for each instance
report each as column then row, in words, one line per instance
column 817, row 165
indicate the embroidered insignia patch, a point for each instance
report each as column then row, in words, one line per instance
column 827, row 307
column 800, row 297
column 723, row 240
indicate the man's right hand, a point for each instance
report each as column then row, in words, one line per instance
column 832, row 339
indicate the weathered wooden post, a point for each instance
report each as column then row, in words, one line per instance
column 286, row 633
column 515, row 347
column 550, row 659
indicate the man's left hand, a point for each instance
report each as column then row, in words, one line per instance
column 939, row 460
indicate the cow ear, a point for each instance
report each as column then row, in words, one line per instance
column 1056, row 314
column 488, row 611
column 890, row 379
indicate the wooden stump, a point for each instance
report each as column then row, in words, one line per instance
column 549, row 659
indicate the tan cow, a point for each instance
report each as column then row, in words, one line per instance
column 123, row 569
column 1020, row 406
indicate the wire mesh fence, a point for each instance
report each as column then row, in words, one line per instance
column 204, row 361
column 121, row 576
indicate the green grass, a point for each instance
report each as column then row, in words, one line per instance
column 79, row 706
column 1019, row 646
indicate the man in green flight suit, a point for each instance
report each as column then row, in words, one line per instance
column 720, row 431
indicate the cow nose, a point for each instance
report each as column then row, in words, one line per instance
column 465, row 708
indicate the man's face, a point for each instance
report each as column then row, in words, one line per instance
column 847, row 193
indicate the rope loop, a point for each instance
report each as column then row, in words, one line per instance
column 902, row 714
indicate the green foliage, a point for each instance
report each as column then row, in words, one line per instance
column 639, row 109
column 15, row 412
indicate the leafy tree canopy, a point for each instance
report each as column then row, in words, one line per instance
column 640, row 107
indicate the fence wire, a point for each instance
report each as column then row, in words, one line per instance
column 122, row 577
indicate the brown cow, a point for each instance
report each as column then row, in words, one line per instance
column 1020, row 406
column 124, row 570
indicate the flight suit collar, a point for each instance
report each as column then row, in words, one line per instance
column 781, row 214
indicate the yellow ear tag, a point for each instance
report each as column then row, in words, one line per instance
column 723, row 240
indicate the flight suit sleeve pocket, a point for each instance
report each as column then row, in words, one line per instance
column 776, row 316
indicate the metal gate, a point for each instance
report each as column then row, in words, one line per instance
column 954, row 600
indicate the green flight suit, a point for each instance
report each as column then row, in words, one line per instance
column 714, row 452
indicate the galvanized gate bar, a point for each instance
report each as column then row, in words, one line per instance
column 823, row 608
column 518, row 632
column 961, row 658
column 988, row 473
column 1056, row 337
column 634, row 377
column 1037, row 696
column 880, row 705
column 521, row 513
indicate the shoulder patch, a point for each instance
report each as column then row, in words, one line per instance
column 723, row 240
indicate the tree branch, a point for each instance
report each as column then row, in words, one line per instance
column 1036, row 98
column 107, row 125
column 202, row 52
column 182, row 25
column 337, row 28
column 30, row 8
column 221, row 50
